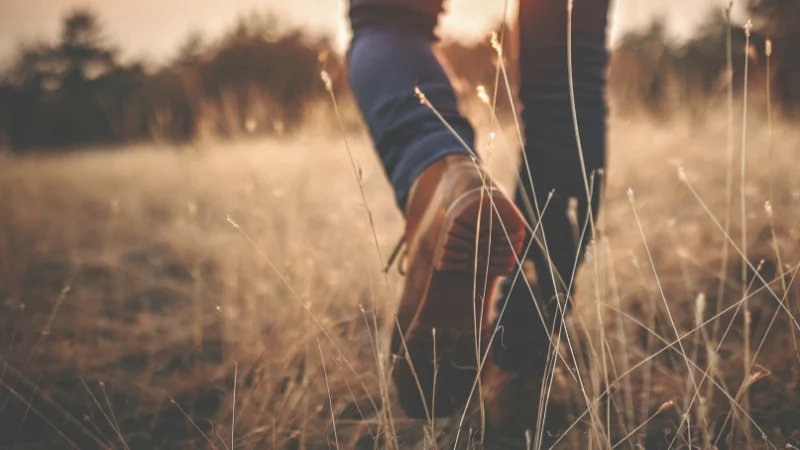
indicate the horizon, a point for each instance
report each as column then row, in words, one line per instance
column 155, row 38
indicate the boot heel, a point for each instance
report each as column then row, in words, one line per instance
column 485, row 222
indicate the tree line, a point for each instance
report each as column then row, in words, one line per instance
column 262, row 78
column 76, row 92
column 650, row 71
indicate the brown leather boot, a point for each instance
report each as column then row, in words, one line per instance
column 452, row 208
column 512, row 401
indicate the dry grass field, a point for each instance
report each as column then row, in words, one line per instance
column 231, row 295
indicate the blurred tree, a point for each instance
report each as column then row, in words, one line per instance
column 702, row 61
column 663, row 75
column 83, row 49
column 32, row 70
column 779, row 20
column 641, row 67
column 251, row 73
column 82, row 54
column 262, row 76
column 191, row 50
column 6, row 94
column 59, row 101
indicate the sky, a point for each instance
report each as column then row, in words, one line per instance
column 153, row 29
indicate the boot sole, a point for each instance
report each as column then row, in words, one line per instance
column 440, row 377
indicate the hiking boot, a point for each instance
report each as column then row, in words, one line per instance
column 524, row 330
column 512, row 403
column 535, row 301
column 454, row 213
column 514, row 380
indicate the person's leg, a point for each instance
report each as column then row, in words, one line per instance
column 554, row 162
column 390, row 55
column 441, row 190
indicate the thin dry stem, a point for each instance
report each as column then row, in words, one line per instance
column 330, row 397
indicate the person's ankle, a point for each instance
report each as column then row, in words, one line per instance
column 522, row 342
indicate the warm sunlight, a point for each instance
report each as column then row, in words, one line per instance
column 219, row 230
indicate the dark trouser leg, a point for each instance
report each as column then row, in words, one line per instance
column 554, row 161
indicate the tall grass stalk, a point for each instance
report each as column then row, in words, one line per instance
column 113, row 423
column 533, row 210
column 589, row 212
column 621, row 336
column 743, row 189
column 722, row 389
column 194, row 424
column 305, row 305
column 330, row 397
column 383, row 377
column 233, row 407
column 690, row 373
column 723, row 274
column 43, row 334
column 669, row 345
column 715, row 221
column 771, row 180
column 729, row 168
column 711, row 364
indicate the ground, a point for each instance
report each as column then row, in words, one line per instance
column 230, row 295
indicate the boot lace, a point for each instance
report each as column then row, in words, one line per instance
column 398, row 255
